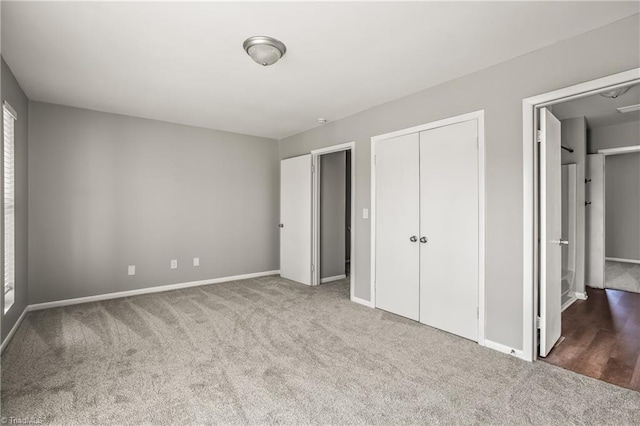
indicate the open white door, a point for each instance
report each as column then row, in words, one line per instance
column 550, row 231
column 295, row 219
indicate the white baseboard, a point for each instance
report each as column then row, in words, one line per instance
column 582, row 296
column 7, row 339
column 147, row 290
column 568, row 303
column 616, row 259
column 505, row 349
column 334, row 278
column 366, row 303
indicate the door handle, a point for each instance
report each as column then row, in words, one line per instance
column 413, row 239
column 423, row 239
column 281, row 225
column 563, row 242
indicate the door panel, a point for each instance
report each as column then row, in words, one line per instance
column 449, row 259
column 550, row 231
column 295, row 219
column 397, row 220
column 595, row 240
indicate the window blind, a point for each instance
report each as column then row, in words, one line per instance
column 9, row 118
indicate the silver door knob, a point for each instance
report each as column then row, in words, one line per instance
column 563, row 242
column 423, row 239
column 281, row 225
column 413, row 239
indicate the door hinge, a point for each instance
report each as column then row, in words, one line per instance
column 313, row 169
column 313, row 268
column 538, row 322
column 375, row 159
column 478, row 313
column 539, row 136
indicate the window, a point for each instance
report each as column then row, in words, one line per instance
column 9, row 117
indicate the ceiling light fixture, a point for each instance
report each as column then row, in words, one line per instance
column 264, row 50
column 615, row 92
column 629, row 108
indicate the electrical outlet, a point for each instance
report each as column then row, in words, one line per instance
column 196, row 261
column 131, row 269
column 174, row 263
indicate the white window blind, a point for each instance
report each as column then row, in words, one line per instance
column 9, row 117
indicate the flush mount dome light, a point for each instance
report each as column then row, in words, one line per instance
column 264, row 50
column 613, row 94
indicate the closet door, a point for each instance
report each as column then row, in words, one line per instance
column 397, row 259
column 449, row 254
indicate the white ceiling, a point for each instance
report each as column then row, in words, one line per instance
column 600, row 111
column 184, row 63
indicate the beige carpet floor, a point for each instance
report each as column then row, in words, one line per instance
column 266, row 351
column 622, row 276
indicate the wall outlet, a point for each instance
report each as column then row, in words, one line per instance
column 174, row 263
column 131, row 270
column 196, row 261
column 365, row 213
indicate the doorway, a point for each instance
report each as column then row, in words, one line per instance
column 333, row 215
column 591, row 335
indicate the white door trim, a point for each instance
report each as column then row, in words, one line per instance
column 618, row 151
column 315, row 218
column 476, row 115
column 530, row 189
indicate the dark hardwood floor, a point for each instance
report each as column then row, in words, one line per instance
column 602, row 338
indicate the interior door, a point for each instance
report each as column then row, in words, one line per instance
column 397, row 225
column 295, row 219
column 594, row 218
column 449, row 236
column 550, row 231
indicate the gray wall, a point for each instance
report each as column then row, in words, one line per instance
column 622, row 189
column 498, row 90
column 12, row 93
column 622, row 206
column 107, row 191
column 574, row 135
column 332, row 214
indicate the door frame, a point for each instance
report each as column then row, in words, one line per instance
column 531, row 258
column 479, row 117
column 315, row 213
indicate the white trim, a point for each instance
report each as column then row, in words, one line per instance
column 7, row 339
column 331, row 279
column 432, row 125
column 482, row 230
column 504, row 349
column 10, row 109
column 529, row 159
column 315, row 207
column 148, row 290
column 621, row 150
column 569, row 303
column 479, row 117
column 617, row 259
column 366, row 303
column 582, row 296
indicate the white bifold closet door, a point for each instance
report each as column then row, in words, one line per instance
column 295, row 219
column 449, row 228
column 397, row 225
